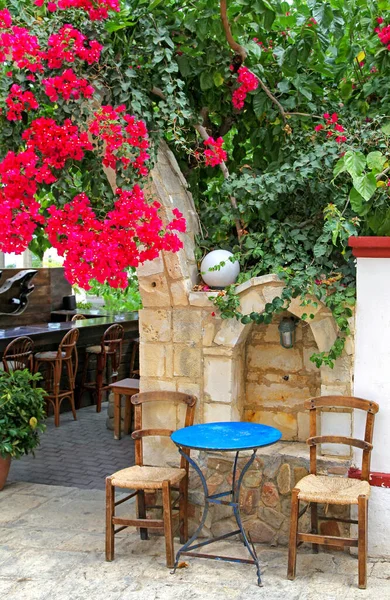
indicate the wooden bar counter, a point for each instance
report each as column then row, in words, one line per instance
column 47, row 336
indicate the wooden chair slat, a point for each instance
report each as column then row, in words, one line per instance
column 141, row 433
column 342, row 402
column 338, row 439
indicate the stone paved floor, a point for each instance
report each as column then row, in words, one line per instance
column 77, row 454
column 52, row 544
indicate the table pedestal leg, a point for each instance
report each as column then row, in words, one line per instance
column 189, row 547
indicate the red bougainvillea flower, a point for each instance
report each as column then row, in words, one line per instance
column 384, row 34
column 5, row 19
column 18, row 102
column 19, row 46
column 331, row 127
column 94, row 249
column 121, row 131
column 215, row 154
column 379, row 20
column 96, row 9
column 67, row 85
column 248, row 83
column 68, row 44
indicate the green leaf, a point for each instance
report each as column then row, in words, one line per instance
column 346, row 90
column 358, row 204
column 375, row 161
column 206, row 81
column 354, row 162
column 365, row 185
column 386, row 129
column 218, row 79
column 340, row 167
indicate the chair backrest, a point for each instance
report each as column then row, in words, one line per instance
column 78, row 318
column 113, row 338
column 134, row 359
column 320, row 402
column 68, row 344
column 18, row 355
column 138, row 434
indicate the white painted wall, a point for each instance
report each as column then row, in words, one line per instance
column 372, row 381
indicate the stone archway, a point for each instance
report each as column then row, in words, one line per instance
column 185, row 348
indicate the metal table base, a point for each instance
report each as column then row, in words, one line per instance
column 189, row 547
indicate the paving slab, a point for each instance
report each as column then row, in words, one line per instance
column 54, row 550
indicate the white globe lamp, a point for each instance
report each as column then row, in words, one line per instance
column 226, row 272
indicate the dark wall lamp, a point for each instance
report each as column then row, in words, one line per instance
column 287, row 328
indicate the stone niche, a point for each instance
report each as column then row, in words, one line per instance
column 237, row 372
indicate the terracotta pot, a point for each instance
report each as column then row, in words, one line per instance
column 5, row 464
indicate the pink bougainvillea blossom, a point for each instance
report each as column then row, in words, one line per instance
column 332, row 127
column 215, row 154
column 18, row 102
column 248, row 83
column 67, row 85
column 96, row 9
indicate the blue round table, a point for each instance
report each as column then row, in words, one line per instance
column 223, row 437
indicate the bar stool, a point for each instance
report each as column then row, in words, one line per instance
column 78, row 318
column 18, row 355
column 54, row 361
column 110, row 348
column 127, row 388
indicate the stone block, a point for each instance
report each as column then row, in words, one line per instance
column 341, row 372
column 202, row 299
column 208, row 332
column 272, row 291
column 324, row 332
column 273, row 356
column 251, row 301
column 269, row 494
column 151, row 267
column 217, row 412
column 257, row 281
column 152, row 360
column 213, row 482
column 176, row 264
column 187, row 326
column 252, row 479
column 261, row 533
column 180, row 291
column 283, row 479
column 231, row 333
column 299, row 473
column 186, row 361
column 308, row 365
column 150, row 384
column 285, row 422
column 276, row 395
column 154, row 291
column 218, row 382
column 249, row 500
column 155, row 325
column 271, row 516
column 271, row 333
column 303, row 420
column 168, row 368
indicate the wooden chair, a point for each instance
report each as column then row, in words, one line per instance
column 143, row 478
column 18, row 355
column 54, row 361
column 318, row 489
column 110, row 348
column 78, row 318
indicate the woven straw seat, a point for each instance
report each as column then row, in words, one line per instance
column 147, row 478
column 96, row 349
column 332, row 490
column 49, row 355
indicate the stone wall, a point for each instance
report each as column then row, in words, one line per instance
column 265, row 494
column 279, row 379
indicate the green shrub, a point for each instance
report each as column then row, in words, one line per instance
column 22, row 411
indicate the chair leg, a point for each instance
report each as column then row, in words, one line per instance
column 362, row 540
column 128, row 406
column 110, row 512
column 183, row 510
column 141, row 513
column 83, row 380
column 69, row 368
column 314, row 523
column 56, row 391
column 168, row 531
column 292, row 548
column 99, row 382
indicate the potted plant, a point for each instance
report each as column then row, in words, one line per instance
column 22, row 411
